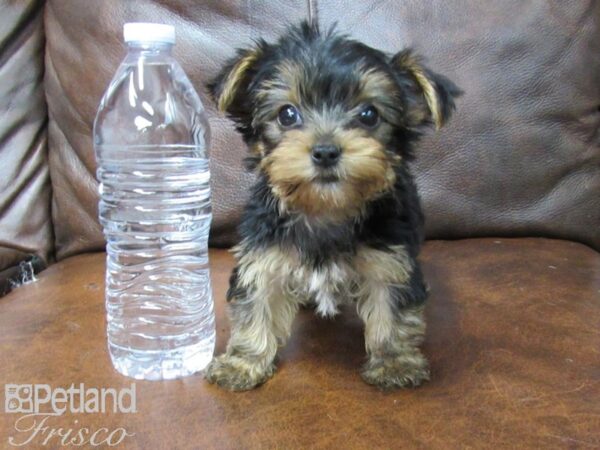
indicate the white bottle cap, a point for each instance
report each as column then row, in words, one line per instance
column 149, row 32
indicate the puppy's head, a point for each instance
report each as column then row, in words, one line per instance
column 328, row 118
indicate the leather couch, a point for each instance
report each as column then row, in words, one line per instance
column 511, row 191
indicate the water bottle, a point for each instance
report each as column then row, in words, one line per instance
column 151, row 138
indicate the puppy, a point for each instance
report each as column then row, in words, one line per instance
column 334, row 215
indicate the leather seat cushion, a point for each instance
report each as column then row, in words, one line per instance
column 513, row 339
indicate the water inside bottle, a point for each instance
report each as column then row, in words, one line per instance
column 156, row 214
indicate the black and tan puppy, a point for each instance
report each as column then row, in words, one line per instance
column 334, row 215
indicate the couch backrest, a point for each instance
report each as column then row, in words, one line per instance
column 25, row 224
column 520, row 157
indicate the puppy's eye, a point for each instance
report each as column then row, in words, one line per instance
column 369, row 117
column 289, row 116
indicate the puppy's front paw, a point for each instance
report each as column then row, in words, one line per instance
column 236, row 373
column 396, row 372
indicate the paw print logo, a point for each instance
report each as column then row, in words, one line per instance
column 18, row 398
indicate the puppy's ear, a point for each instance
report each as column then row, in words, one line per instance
column 231, row 87
column 430, row 95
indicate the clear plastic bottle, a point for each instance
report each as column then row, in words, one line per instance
column 151, row 139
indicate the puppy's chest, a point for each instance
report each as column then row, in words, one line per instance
column 328, row 285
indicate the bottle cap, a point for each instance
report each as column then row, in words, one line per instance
column 149, row 32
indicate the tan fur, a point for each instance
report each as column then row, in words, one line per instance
column 266, row 274
column 378, row 89
column 234, row 79
column 257, row 149
column 259, row 323
column 430, row 97
column 285, row 87
column 392, row 339
column 365, row 164
column 375, row 84
column 411, row 64
column 392, row 268
column 365, row 171
column 376, row 310
column 392, row 334
column 378, row 271
column 386, row 331
column 276, row 268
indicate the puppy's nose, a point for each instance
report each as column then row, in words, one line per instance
column 325, row 155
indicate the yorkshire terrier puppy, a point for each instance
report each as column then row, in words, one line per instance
column 334, row 215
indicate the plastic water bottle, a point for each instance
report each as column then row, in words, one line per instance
column 151, row 139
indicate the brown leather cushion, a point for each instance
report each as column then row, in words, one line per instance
column 25, row 224
column 521, row 156
column 513, row 340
